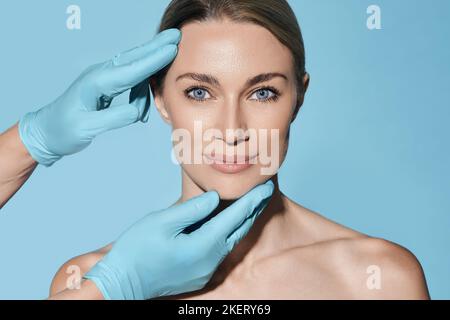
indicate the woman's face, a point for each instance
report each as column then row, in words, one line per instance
column 208, row 90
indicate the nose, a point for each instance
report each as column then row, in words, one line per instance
column 232, row 123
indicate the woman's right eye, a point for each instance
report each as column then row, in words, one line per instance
column 197, row 94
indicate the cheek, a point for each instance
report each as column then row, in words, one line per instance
column 276, row 120
column 188, row 133
column 183, row 114
column 283, row 138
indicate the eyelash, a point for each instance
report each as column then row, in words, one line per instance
column 275, row 91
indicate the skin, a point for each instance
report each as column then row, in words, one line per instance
column 291, row 252
column 16, row 163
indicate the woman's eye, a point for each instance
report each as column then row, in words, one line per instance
column 265, row 95
column 261, row 95
column 198, row 94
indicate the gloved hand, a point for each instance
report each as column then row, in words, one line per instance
column 154, row 258
column 72, row 121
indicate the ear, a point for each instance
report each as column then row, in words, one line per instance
column 300, row 99
column 159, row 103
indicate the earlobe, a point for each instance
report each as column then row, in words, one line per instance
column 160, row 106
column 301, row 98
column 294, row 115
column 159, row 103
column 305, row 82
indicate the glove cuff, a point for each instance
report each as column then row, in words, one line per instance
column 32, row 139
column 111, row 283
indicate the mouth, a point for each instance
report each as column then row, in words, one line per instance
column 230, row 164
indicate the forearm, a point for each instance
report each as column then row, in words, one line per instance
column 16, row 164
column 86, row 291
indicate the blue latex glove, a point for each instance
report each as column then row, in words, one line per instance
column 72, row 121
column 154, row 258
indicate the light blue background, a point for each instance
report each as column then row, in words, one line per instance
column 370, row 148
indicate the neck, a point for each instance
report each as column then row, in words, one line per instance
column 264, row 238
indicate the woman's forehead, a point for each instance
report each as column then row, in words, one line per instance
column 229, row 47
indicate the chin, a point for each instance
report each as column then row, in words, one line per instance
column 228, row 186
column 231, row 194
column 234, row 186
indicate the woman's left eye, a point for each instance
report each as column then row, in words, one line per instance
column 266, row 94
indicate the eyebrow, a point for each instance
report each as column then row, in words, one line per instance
column 202, row 77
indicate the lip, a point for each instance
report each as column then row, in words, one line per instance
column 230, row 164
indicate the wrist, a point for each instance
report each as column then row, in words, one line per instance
column 14, row 145
column 32, row 140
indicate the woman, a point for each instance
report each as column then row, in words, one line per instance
column 241, row 65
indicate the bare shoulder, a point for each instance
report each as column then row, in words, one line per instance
column 391, row 270
column 75, row 268
column 353, row 268
column 352, row 264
